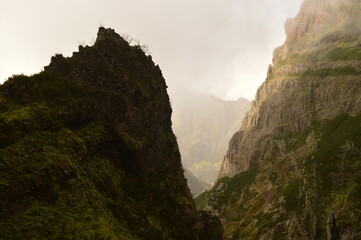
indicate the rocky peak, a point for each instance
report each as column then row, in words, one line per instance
column 314, row 15
column 107, row 36
column 316, row 19
column 92, row 139
column 120, row 78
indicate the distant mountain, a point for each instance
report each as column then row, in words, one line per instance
column 204, row 125
column 293, row 170
column 195, row 185
column 87, row 152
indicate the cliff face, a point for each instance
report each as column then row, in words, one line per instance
column 87, row 151
column 304, row 82
column 313, row 16
column 204, row 125
column 293, row 169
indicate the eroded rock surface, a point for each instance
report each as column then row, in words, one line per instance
column 293, row 169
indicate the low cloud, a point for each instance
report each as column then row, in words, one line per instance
column 205, row 46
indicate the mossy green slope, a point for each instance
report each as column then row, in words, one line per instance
column 87, row 151
column 284, row 197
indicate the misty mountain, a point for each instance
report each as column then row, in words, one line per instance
column 87, row 151
column 203, row 125
column 195, row 185
column 293, row 170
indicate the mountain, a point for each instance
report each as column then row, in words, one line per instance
column 195, row 185
column 204, row 125
column 87, row 151
column 293, row 170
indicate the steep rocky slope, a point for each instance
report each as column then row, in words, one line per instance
column 87, row 151
column 293, row 169
column 204, row 125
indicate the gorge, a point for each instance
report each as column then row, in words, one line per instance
column 87, row 149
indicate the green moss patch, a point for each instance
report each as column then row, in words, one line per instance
column 291, row 195
column 325, row 72
column 41, row 87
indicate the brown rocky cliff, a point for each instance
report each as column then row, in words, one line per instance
column 309, row 81
column 292, row 172
column 313, row 15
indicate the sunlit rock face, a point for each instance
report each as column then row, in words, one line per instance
column 293, row 169
column 87, row 151
column 313, row 16
column 306, row 75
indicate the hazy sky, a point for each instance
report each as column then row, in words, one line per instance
column 207, row 46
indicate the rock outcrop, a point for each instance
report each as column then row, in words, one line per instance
column 296, row 159
column 313, row 16
column 87, row 151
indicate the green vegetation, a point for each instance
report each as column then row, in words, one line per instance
column 325, row 72
column 87, row 157
column 332, row 54
column 236, row 184
column 273, row 177
column 251, row 208
column 231, row 188
column 43, row 87
column 201, row 200
column 49, row 180
column 291, row 195
column 336, row 162
column 62, row 176
column 224, row 198
column 343, row 53
column 337, row 151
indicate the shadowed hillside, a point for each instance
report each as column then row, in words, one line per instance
column 87, row 151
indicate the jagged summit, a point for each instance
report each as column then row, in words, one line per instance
column 108, row 35
column 107, row 38
column 87, row 151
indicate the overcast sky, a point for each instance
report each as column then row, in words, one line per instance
column 219, row 47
